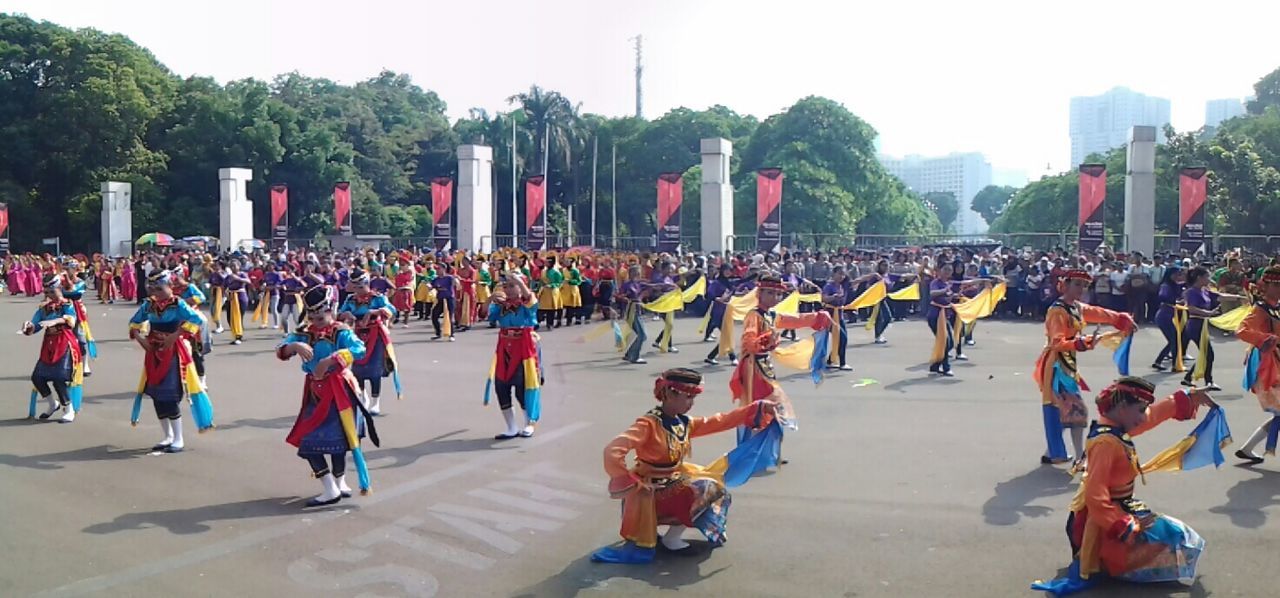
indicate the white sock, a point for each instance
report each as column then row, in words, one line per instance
column 1256, row 437
column 672, row 539
column 509, row 416
column 342, row 484
column 375, row 405
column 53, row 403
column 176, row 426
column 528, row 425
column 68, row 414
column 330, row 486
column 166, row 426
column 1077, row 441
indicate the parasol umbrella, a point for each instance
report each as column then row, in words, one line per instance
column 159, row 239
column 253, row 244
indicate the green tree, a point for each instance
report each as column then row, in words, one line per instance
column 1266, row 93
column 991, row 201
column 944, row 204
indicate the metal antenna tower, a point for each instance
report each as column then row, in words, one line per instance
column 639, row 39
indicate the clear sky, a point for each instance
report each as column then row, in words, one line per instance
column 931, row 76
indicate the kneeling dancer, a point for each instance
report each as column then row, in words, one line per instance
column 662, row 488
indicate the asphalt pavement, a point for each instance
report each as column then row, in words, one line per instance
column 899, row 483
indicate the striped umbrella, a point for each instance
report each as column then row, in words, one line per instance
column 159, row 239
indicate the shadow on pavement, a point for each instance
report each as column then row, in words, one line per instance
column 1247, row 500
column 666, row 572
column 902, row 385
column 55, row 460
column 1010, row 503
column 408, row 455
column 275, row 423
column 195, row 520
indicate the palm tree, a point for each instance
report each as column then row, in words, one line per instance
column 547, row 113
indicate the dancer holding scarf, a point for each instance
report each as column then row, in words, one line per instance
column 61, row 361
column 332, row 420
column 1056, row 371
column 368, row 312
column 163, row 326
column 1261, row 330
column 663, row 488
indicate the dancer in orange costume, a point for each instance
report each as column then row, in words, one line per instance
column 1056, row 371
column 1261, row 329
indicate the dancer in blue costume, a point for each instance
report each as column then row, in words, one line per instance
column 61, row 360
column 168, row 373
column 331, row 420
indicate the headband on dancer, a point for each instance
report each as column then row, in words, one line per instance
column 1129, row 390
column 52, row 281
column 772, row 285
column 681, row 380
column 1077, row 274
column 1271, row 275
column 317, row 300
column 361, row 278
column 163, row 278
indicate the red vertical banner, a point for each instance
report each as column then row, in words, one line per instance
column 535, row 213
column 4, row 229
column 1090, row 223
column 441, row 212
column 769, row 210
column 342, row 215
column 1193, row 189
column 670, row 198
column 279, row 213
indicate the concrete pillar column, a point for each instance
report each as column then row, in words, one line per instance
column 717, row 194
column 475, row 198
column 117, row 218
column 1140, row 191
column 235, row 211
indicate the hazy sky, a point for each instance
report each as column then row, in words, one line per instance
column 931, row 76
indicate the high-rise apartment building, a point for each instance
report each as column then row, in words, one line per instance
column 961, row 174
column 1216, row 111
column 1102, row 123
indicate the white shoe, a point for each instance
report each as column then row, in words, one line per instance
column 343, row 489
column 375, row 406
column 88, row 371
column 330, row 495
column 54, row 406
column 217, row 330
column 204, row 383
column 68, row 415
column 235, row 342
column 673, row 540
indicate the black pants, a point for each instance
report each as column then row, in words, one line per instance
column 197, row 358
column 1206, row 353
column 60, row 386
column 320, row 468
column 551, row 317
column 842, row 341
column 513, row 387
column 437, row 311
column 375, row 386
column 883, row 318
column 168, row 409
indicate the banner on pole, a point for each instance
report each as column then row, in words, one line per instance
column 535, row 212
column 1093, row 198
column 1193, row 187
column 769, row 210
column 342, row 215
column 4, row 229
column 441, row 208
column 279, row 213
column 670, row 198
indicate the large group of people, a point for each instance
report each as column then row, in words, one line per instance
column 337, row 312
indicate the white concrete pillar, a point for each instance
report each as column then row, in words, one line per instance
column 475, row 198
column 235, row 211
column 717, row 194
column 1140, row 191
column 117, row 219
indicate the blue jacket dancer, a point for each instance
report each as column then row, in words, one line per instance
column 331, row 420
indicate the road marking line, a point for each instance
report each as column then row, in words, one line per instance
column 251, row 539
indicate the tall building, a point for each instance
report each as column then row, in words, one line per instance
column 961, row 174
column 1102, row 123
column 1216, row 111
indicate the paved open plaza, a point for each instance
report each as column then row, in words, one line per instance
column 899, row 484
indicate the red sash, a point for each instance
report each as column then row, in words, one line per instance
column 375, row 332
column 158, row 361
column 56, row 343
column 332, row 390
column 514, row 346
